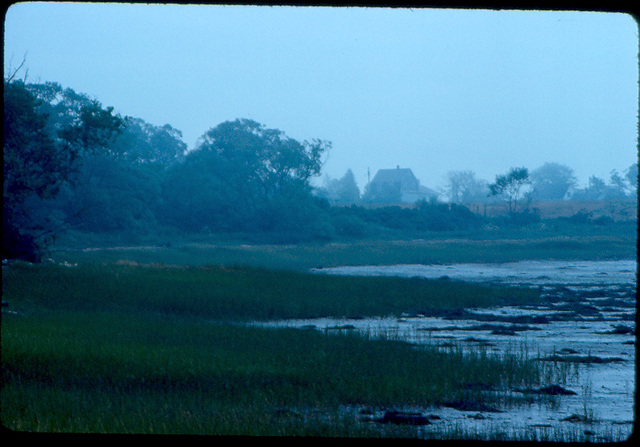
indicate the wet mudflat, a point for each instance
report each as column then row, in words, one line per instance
column 586, row 327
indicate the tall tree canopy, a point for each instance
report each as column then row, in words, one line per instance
column 342, row 191
column 244, row 176
column 463, row 187
column 46, row 131
column 141, row 142
column 551, row 181
column 509, row 186
column 265, row 161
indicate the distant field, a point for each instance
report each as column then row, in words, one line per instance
column 382, row 252
column 617, row 210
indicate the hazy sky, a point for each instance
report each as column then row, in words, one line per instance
column 434, row 90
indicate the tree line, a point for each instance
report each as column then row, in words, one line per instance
column 549, row 182
column 72, row 164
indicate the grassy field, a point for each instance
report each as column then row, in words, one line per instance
column 139, row 349
column 158, row 341
column 620, row 245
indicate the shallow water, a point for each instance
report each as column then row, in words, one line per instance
column 603, row 328
column 519, row 273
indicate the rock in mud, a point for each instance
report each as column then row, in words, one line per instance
column 470, row 405
column 577, row 418
column 403, row 418
column 581, row 359
column 552, row 390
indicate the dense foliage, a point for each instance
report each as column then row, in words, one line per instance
column 47, row 131
column 72, row 166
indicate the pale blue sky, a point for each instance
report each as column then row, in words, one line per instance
column 433, row 90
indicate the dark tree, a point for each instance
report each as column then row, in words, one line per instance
column 259, row 162
column 41, row 152
column 463, row 187
column 631, row 175
column 343, row 191
column 551, row 181
column 243, row 176
column 509, row 186
column 144, row 143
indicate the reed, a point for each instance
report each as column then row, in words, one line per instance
column 240, row 293
column 112, row 372
column 128, row 348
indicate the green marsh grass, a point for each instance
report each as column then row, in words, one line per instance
column 112, row 372
column 120, row 348
column 489, row 249
column 240, row 293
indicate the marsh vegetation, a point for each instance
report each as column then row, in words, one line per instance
column 139, row 341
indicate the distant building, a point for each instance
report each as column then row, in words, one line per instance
column 397, row 186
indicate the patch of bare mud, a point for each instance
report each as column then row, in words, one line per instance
column 586, row 323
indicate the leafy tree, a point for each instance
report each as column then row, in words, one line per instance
column 622, row 186
column 342, row 191
column 196, row 197
column 259, row 162
column 80, row 125
column 141, row 142
column 463, row 187
column 618, row 188
column 551, row 181
column 596, row 187
column 32, row 165
column 119, row 190
column 631, row 174
column 242, row 176
column 510, row 186
column 40, row 154
column 112, row 195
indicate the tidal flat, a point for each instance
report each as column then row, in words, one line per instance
column 585, row 327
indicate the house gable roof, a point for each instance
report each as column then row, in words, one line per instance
column 403, row 175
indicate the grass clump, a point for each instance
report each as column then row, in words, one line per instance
column 121, row 348
column 113, row 372
column 240, row 293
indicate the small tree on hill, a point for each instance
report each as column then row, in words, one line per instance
column 510, row 186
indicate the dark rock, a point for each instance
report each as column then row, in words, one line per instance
column 552, row 390
column 341, row 328
column 477, row 416
column 499, row 329
column 503, row 332
column 403, row 418
column 470, row 405
column 622, row 330
column 577, row 418
column 515, row 319
column 568, row 351
column 581, row 359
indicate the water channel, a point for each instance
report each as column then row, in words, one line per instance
column 589, row 326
